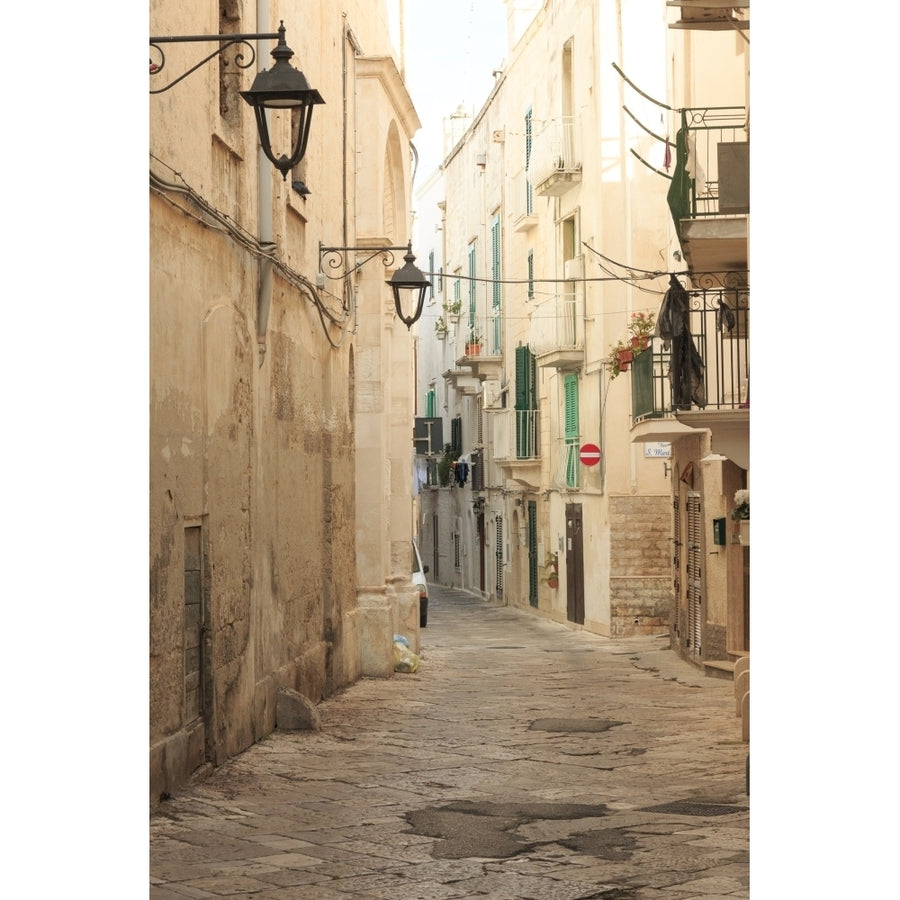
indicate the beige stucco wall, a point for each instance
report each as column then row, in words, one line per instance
column 257, row 422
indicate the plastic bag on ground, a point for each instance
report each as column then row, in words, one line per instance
column 404, row 659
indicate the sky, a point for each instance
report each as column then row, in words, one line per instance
column 452, row 48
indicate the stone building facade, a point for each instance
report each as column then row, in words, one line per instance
column 280, row 398
column 545, row 215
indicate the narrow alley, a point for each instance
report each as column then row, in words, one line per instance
column 522, row 760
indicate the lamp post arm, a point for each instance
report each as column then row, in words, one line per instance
column 335, row 257
column 225, row 40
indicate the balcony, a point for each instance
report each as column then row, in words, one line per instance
column 521, row 202
column 516, row 445
column 554, row 165
column 709, row 196
column 568, row 468
column 670, row 398
column 479, row 346
column 556, row 331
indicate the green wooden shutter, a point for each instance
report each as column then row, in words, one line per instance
column 429, row 404
column 532, row 554
column 526, row 403
column 571, row 414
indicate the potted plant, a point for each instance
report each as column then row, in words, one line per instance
column 552, row 565
column 620, row 357
column 441, row 328
column 473, row 344
column 641, row 327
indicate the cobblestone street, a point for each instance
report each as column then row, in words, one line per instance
column 522, row 760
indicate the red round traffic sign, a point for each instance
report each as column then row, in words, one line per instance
column 589, row 454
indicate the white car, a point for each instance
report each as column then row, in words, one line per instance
column 418, row 578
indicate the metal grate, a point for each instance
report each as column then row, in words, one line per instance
column 693, row 572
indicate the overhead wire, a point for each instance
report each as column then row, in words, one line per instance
column 213, row 218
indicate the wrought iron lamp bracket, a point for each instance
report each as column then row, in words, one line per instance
column 336, row 258
column 225, row 41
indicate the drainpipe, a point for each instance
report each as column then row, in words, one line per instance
column 264, row 195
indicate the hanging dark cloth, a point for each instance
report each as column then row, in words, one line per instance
column 461, row 472
column 725, row 320
column 685, row 363
column 679, row 193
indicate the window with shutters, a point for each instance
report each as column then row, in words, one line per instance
column 529, row 134
column 531, row 274
column 456, row 557
column 498, row 556
column 693, row 572
column 473, row 296
column 572, row 438
column 532, row 554
column 526, row 404
column 456, row 436
column 433, row 280
column 476, row 458
column 496, row 338
column 676, row 563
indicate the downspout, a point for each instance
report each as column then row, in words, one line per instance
column 264, row 199
column 349, row 150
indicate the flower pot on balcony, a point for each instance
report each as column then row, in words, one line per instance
column 640, row 342
column 473, row 349
column 624, row 358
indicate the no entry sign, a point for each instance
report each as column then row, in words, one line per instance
column 589, row 454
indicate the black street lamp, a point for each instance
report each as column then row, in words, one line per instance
column 281, row 87
column 409, row 279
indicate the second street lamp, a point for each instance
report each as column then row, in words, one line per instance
column 409, row 284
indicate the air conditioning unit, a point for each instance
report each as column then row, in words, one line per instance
column 491, row 397
column 574, row 268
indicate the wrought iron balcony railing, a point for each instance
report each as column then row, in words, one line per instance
column 516, row 434
column 557, row 323
column 556, row 150
column 568, row 469
column 481, row 335
column 664, row 377
column 711, row 174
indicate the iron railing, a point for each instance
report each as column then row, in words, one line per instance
column 557, row 323
column 719, row 331
column 484, row 331
column 568, row 470
column 556, row 148
column 702, row 158
column 527, row 434
column 515, row 434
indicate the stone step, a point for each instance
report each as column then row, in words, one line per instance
column 719, row 668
